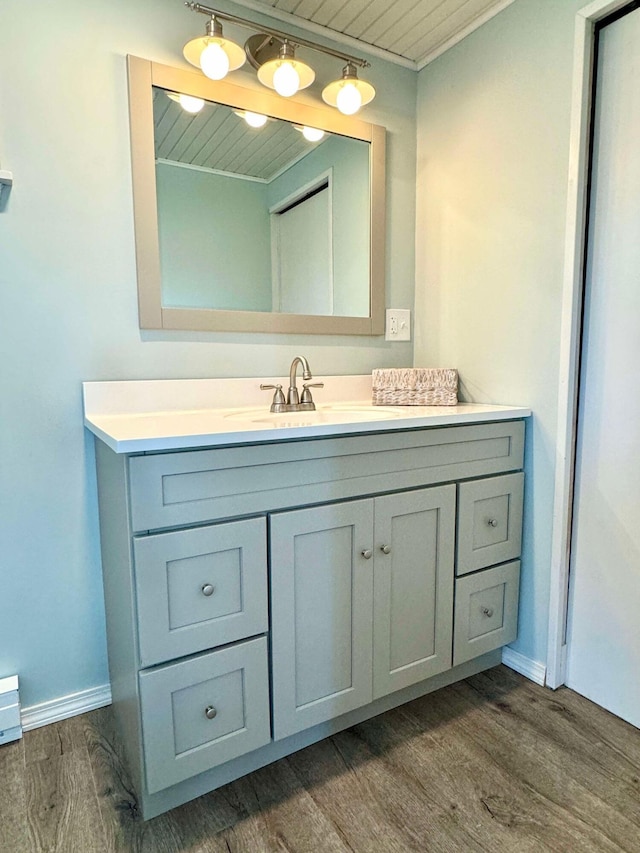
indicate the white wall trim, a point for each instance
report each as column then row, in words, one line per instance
column 532, row 669
column 575, row 239
column 65, row 706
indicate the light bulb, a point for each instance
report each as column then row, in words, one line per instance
column 214, row 61
column 191, row 104
column 254, row 119
column 312, row 134
column 349, row 99
column 286, row 80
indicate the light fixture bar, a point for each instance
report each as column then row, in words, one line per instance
column 280, row 34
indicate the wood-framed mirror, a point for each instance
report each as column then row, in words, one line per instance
column 280, row 235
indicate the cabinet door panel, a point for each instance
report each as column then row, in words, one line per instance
column 321, row 588
column 413, row 587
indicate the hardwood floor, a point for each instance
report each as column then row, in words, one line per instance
column 494, row 763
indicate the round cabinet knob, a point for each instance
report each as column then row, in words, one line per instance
column 208, row 589
column 492, row 522
column 210, row 712
column 367, row 553
column 386, row 549
column 488, row 611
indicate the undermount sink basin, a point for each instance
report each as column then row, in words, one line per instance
column 330, row 414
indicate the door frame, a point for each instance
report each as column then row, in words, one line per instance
column 571, row 329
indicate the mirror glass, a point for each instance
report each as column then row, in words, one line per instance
column 253, row 229
column 259, row 218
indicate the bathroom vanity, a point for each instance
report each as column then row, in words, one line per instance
column 271, row 579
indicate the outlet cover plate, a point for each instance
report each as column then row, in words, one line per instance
column 398, row 325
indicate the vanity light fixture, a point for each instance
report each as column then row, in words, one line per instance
column 213, row 53
column 189, row 103
column 348, row 93
column 311, row 134
column 273, row 54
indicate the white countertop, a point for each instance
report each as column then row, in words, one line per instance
column 138, row 416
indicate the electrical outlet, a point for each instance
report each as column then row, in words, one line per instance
column 398, row 327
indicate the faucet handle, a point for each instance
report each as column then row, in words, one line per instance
column 306, row 399
column 278, row 404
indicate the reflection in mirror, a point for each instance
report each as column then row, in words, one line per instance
column 259, row 218
column 253, row 229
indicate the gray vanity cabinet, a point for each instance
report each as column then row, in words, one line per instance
column 260, row 597
column 361, row 598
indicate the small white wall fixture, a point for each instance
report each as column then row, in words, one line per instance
column 572, row 298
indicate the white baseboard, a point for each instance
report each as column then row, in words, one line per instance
column 65, row 706
column 531, row 669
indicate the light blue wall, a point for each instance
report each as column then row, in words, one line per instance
column 68, row 304
column 215, row 240
column 493, row 150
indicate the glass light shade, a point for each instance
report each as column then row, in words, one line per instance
column 348, row 94
column 214, row 61
column 214, row 54
column 349, row 99
column 189, row 103
column 312, row 134
column 286, row 76
column 286, row 80
column 254, row 119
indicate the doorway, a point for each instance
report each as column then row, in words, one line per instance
column 603, row 628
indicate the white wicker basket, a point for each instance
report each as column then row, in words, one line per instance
column 415, row 386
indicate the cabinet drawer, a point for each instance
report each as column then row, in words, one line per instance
column 200, row 588
column 174, row 489
column 201, row 712
column 486, row 611
column 489, row 522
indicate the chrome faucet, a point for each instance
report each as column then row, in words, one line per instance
column 295, row 402
column 293, row 398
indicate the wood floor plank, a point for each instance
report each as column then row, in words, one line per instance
column 586, row 823
column 281, row 816
column 607, row 773
column 54, row 740
column 14, row 833
column 191, row 827
column 406, row 805
column 461, row 782
column 346, row 798
column 61, row 807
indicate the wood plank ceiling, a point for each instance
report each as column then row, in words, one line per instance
column 415, row 31
column 217, row 139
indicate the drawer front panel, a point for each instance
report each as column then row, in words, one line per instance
column 200, row 588
column 486, row 611
column 203, row 711
column 489, row 522
column 182, row 488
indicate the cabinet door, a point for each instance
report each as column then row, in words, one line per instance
column 321, row 607
column 413, row 587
